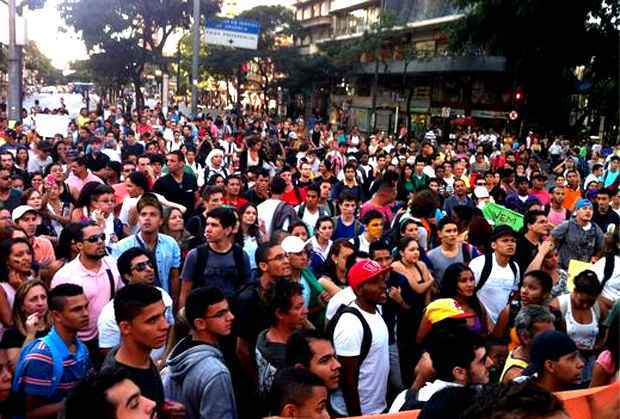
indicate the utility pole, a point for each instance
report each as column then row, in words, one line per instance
column 15, row 81
column 195, row 57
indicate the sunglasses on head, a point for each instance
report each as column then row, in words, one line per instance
column 95, row 238
column 141, row 267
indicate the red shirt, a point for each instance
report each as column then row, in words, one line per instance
column 237, row 203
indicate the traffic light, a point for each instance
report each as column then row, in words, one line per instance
column 519, row 95
column 244, row 72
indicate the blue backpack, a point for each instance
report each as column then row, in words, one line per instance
column 57, row 349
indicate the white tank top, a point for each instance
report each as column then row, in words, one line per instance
column 584, row 335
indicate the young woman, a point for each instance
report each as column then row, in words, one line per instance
column 547, row 260
column 36, row 180
column 583, row 315
column 535, row 289
column 31, row 316
column 299, row 229
column 249, row 235
column 21, row 158
column 96, row 202
column 16, row 257
column 56, row 210
column 32, row 197
column 321, row 242
column 458, row 283
column 174, row 226
column 57, row 170
column 334, row 275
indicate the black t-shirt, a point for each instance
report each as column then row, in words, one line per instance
column 12, row 201
column 147, row 380
column 96, row 161
column 181, row 193
column 12, row 338
column 251, row 315
column 526, row 252
column 253, row 197
column 135, row 149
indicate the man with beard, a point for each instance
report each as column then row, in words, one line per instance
column 94, row 272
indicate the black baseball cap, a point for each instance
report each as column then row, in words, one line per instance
column 503, row 230
column 548, row 345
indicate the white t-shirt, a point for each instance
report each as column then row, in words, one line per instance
column 266, row 210
column 364, row 244
column 374, row 371
column 345, row 296
column 128, row 203
column 495, row 292
column 110, row 335
column 309, row 218
column 611, row 290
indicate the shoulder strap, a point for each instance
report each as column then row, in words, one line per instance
column 239, row 256
column 356, row 243
column 564, row 301
column 57, row 360
column 610, row 261
column 466, row 253
column 515, row 271
column 301, row 210
column 112, row 285
column 367, row 336
column 486, row 271
column 202, row 254
column 357, row 226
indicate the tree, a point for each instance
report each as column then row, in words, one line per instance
column 37, row 62
column 137, row 28
column 542, row 62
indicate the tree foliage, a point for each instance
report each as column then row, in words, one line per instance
column 543, row 42
column 38, row 63
column 130, row 33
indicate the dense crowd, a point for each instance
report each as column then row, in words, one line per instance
column 246, row 265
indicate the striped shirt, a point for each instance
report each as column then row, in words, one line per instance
column 39, row 369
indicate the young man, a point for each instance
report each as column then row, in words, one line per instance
column 381, row 201
column 572, row 192
column 556, row 213
column 36, row 376
column 536, row 230
column 349, row 184
column 287, row 313
column 451, row 250
column 373, row 222
column 346, row 226
column 212, row 197
column 135, row 267
column 519, row 201
column 79, row 176
column 496, row 275
column 603, row 215
column 420, row 179
column 459, row 359
column 312, row 350
column 27, row 218
column 531, row 321
column 611, row 174
column 555, row 359
column 196, row 375
column 260, row 191
column 178, row 186
column 232, row 196
column 275, row 213
column 459, row 198
column 365, row 367
column 109, row 395
column 251, row 314
column 9, row 197
column 165, row 250
column 309, row 212
column 298, row 393
column 578, row 238
column 140, row 314
column 97, row 274
column 219, row 263
column 291, row 194
column 305, row 176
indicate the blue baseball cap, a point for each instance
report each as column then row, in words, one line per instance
column 582, row 203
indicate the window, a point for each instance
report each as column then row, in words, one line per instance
column 325, row 8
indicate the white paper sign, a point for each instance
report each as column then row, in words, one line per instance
column 50, row 125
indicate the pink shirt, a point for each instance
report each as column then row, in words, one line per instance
column 385, row 211
column 542, row 195
column 556, row 217
column 96, row 288
column 76, row 184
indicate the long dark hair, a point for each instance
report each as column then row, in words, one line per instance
column 5, row 251
column 449, row 289
column 253, row 229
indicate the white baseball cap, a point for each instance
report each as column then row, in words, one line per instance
column 293, row 244
column 20, row 211
column 481, row 192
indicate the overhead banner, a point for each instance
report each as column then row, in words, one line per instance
column 234, row 33
column 500, row 215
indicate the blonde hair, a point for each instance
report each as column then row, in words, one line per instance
column 19, row 316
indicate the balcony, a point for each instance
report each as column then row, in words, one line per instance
column 316, row 21
column 341, row 5
column 440, row 65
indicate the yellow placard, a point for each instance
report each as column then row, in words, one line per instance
column 575, row 267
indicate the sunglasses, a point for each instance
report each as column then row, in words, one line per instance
column 141, row 267
column 96, row 238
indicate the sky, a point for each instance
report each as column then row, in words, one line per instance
column 63, row 47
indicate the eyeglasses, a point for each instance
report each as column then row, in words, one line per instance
column 141, row 267
column 481, row 184
column 95, row 238
column 219, row 314
column 279, row 258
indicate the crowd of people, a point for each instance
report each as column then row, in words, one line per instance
column 242, row 266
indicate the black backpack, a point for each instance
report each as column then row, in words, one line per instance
column 202, row 255
column 367, row 337
column 488, row 267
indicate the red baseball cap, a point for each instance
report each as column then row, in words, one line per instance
column 364, row 270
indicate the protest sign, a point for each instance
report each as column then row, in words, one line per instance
column 499, row 215
column 50, row 125
column 575, row 267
